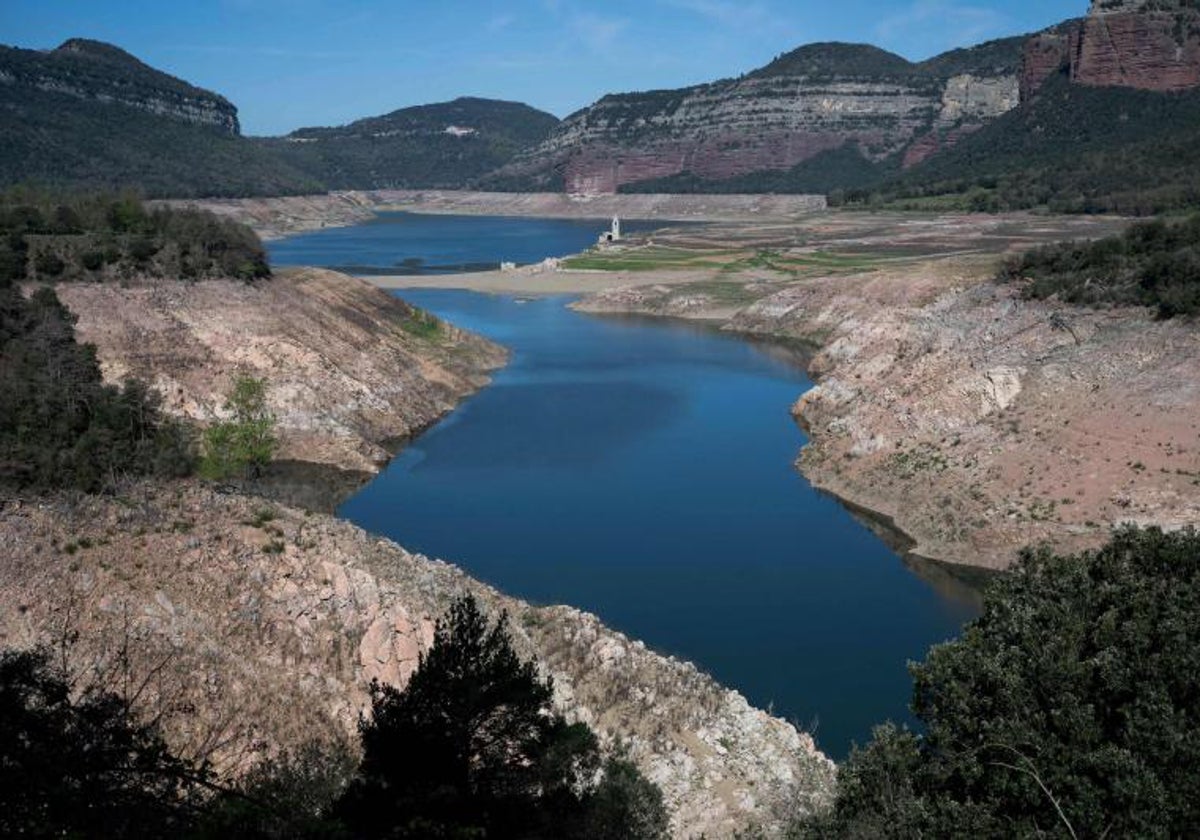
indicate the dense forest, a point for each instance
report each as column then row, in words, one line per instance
column 55, row 139
column 1154, row 264
column 445, row 145
column 1072, row 149
column 54, row 236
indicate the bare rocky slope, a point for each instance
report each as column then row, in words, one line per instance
column 251, row 626
column 248, row 626
column 978, row 422
column 349, row 367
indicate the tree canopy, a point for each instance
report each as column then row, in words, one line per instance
column 1152, row 264
column 83, row 766
column 1070, row 708
column 471, row 747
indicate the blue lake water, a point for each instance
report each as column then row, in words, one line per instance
column 644, row 471
column 410, row 243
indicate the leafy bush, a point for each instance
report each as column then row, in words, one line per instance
column 1152, row 264
column 1071, row 707
column 244, row 445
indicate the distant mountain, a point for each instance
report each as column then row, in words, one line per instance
column 90, row 114
column 1059, row 106
column 1109, row 122
column 811, row 102
column 448, row 144
column 97, row 72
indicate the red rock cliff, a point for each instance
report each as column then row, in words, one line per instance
column 1150, row 45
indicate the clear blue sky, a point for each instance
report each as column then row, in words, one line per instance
column 292, row 63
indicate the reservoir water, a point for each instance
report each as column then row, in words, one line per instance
column 644, row 471
column 410, row 243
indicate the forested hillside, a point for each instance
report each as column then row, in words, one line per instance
column 445, row 145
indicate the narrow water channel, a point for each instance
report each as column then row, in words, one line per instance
column 644, row 471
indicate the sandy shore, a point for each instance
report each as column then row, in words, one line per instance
column 523, row 282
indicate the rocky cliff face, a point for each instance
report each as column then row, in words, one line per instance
column 252, row 627
column 1145, row 44
column 816, row 99
column 99, row 72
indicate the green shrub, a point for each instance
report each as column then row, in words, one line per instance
column 1153, row 264
column 244, row 445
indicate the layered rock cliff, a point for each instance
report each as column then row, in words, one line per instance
column 815, row 99
column 99, row 72
column 1145, row 44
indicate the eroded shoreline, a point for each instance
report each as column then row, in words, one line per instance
column 961, row 412
column 246, row 592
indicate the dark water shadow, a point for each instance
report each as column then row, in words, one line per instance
column 319, row 488
column 962, row 584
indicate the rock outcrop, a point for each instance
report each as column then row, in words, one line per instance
column 249, row 627
column 100, row 72
column 1144, row 44
column 816, row 99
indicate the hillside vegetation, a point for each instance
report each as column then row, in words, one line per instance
column 1152, row 264
column 863, row 61
column 1072, row 148
column 445, row 145
column 60, row 425
column 54, row 237
column 89, row 115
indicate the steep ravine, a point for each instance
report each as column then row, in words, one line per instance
column 257, row 626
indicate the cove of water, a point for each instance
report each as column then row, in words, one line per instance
column 644, row 471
